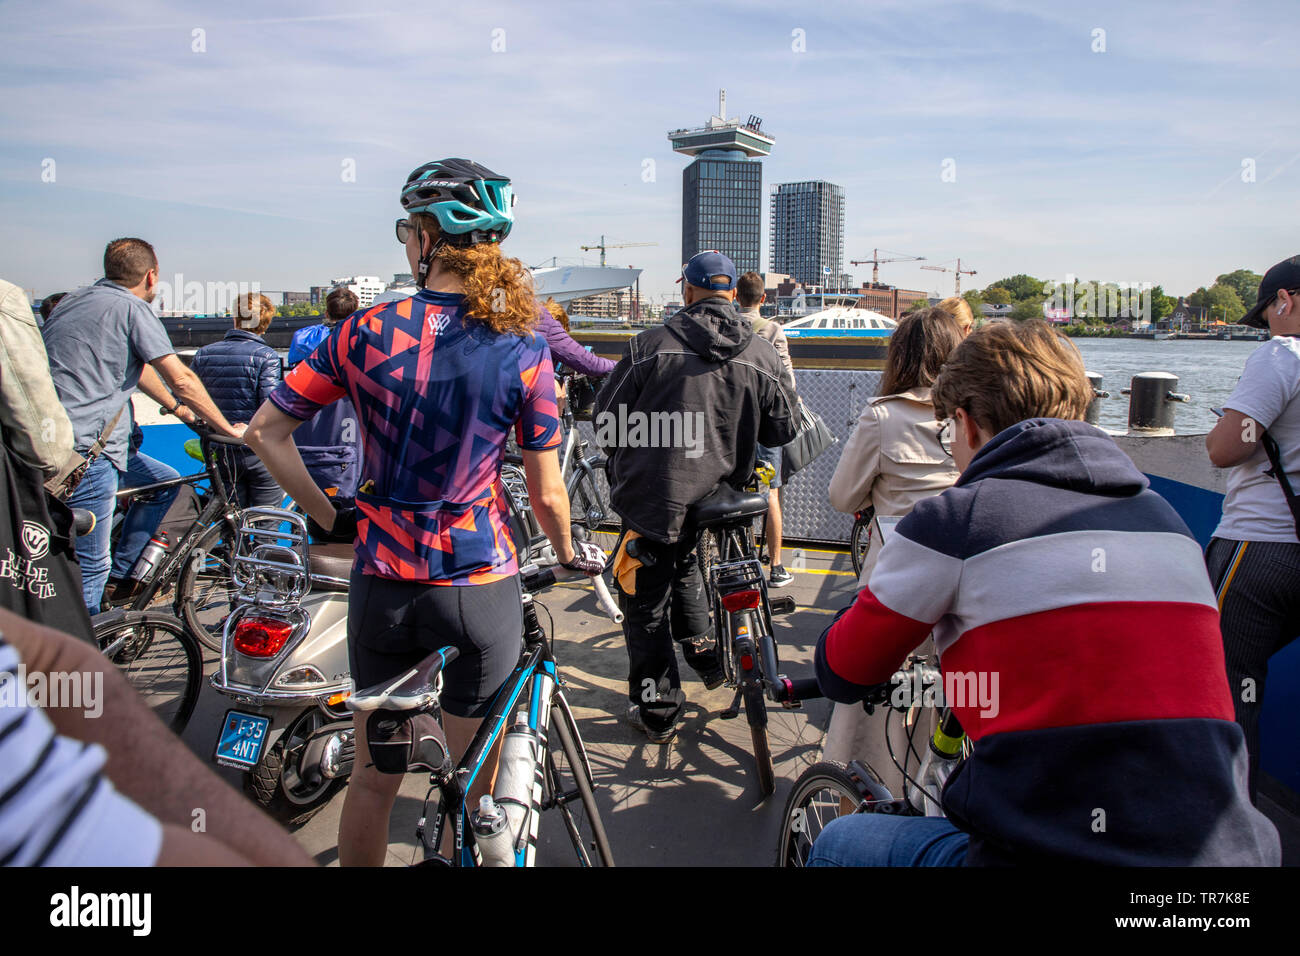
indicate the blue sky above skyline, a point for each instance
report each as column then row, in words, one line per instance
column 1118, row 166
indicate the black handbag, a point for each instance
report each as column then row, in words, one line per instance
column 811, row 439
column 39, row 575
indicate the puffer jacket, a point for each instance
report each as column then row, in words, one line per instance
column 239, row 373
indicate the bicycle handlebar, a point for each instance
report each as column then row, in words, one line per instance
column 536, row 579
column 805, row 688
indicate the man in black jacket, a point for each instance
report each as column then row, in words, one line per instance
column 684, row 410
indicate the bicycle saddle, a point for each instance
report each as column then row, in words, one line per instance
column 410, row 690
column 332, row 561
column 726, row 505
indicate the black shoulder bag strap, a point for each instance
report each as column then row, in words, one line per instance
column 1278, row 472
column 97, row 447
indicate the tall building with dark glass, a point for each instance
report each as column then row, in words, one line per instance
column 807, row 232
column 722, row 190
column 722, row 207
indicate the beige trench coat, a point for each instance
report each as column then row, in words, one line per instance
column 892, row 460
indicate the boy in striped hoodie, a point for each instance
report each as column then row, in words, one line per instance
column 1052, row 574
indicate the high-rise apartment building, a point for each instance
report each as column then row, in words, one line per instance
column 807, row 232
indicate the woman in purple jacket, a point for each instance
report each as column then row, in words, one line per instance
column 554, row 327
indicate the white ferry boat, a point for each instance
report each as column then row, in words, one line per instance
column 840, row 320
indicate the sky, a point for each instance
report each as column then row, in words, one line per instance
column 1161, row 149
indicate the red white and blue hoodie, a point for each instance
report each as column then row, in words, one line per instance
column 1057, row 582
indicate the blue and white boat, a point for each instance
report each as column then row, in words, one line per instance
column 840, row 321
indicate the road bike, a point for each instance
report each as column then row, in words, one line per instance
column 531, row 704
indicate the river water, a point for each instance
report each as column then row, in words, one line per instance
column 1207, row 371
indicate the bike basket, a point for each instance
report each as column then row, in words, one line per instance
column 405, row 741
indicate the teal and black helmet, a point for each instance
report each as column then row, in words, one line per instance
column 471, row 203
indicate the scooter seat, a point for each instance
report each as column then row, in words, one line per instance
column 332, row 561
column 410, row 690
column 726, row 505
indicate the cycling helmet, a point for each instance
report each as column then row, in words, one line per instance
column 471, row 203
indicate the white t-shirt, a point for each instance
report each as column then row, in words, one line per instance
column 58, row 809
column 1255, row 508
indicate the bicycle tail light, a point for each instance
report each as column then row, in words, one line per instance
column 740, row 600
column 261, row 636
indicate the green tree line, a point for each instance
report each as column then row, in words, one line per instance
column 1226, row 300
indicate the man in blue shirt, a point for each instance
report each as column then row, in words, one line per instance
column 100, row 341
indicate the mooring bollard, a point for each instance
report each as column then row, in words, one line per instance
column 1151, row 402
column 1093, row 414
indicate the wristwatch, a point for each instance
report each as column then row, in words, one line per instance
column 177, row 406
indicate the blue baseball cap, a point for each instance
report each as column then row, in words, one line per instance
column 703, row 266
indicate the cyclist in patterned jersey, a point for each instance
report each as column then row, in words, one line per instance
column 438, row 381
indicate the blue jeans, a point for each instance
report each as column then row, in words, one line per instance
column 879, row 839
column 146, row 512
column 95, row 493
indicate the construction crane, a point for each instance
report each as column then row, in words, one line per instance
column 875, row 261
column 602, row 246
column 959, row 273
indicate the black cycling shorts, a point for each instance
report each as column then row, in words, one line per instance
column 393, row 625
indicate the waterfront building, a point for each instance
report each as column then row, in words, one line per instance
column 364, row 287
column 623, row 304
column 288, row 298
column 722, row 201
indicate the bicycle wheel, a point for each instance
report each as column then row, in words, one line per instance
column 818, row 797
column 159, row 658
column 569, row 787
column 588, row 509
column 860, row 540
column 205, row 591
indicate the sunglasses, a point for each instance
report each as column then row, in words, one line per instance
column 403, row 230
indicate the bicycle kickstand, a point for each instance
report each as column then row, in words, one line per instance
column 733, row 711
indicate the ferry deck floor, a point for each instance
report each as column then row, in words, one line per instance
column 692, row 802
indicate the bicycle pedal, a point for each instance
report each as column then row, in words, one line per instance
column 781, row 605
